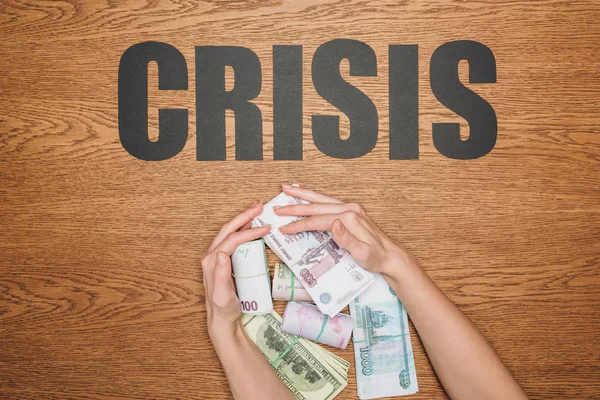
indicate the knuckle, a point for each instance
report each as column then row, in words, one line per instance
column 299, row 209
column 233, row 236
column 351, row 216
column 294, row 225
column 299, row 225
column 313, row 220
column 224, row 228
column 355, row 207
column 204, row 261
column 229, row 237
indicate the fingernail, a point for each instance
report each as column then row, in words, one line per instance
column 257, row 205
column 221, row 258
column 286, row 186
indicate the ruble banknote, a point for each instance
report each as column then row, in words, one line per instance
column 251, row 273
column 382, row 348
column 286, row 286
column 328, row 273
column 306, row 320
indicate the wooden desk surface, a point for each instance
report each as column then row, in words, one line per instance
column 101, row 292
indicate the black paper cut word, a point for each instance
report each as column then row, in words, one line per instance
column 212, row 99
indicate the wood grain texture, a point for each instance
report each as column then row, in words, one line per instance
column 101, row 292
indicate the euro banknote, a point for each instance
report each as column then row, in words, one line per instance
column 382, row 348
column 309, row 371
column 328, row 272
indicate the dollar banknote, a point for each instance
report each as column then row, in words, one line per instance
column 286, row 286
column 328, row 272
column 306, row 320
column 309, row 371
column 382, row 348
column 251, row 274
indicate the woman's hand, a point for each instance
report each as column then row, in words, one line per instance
column 222, row 304
column 468, row 367
column 350, row 227
column 249, row 374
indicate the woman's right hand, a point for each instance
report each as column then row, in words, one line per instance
column 223, row 308
column 350, row 227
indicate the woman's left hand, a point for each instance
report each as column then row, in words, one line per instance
column 350, row 227
column 222, row 304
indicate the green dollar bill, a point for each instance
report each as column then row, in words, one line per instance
column 303, row 368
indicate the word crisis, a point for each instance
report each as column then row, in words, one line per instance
column 213, row 99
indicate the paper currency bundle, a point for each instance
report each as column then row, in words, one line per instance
column 286, row 286
column 306, row 320
column 309, row 371
column 327, row 272
column 382, row 348
column 251, row 273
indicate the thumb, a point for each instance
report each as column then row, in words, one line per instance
column 358, row 249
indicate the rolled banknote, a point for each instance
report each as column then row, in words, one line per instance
column 327, row 271
column 306, row 320
column 251, row 273
column 286, row 286
column 383, row 353
column 308, row 370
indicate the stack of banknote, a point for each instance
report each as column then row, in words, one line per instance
column 286, row 286
column 382, row 348
column 308, row 370
column 318, row 271
column 327, row 272
column 251, row 273
column 304, row 319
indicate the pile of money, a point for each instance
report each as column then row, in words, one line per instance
column 286, row 286
column 251, row 273
column 327, row 272
column 306, row 320
column 382, row 348
column 307, row 369
column 317, row 270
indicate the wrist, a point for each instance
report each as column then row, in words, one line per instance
column 226, row 335
column 399, row 264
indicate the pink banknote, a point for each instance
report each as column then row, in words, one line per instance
column 306, row 320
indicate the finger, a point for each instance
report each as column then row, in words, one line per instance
column 308, row 195
column 223, row 276
column 236, row 223
column 247, row 226
column 358, row 249
column 315, row 223
column 208, row 272
column 311, row 209
column 324, row 222
column 224, row 292
column 233, row 240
